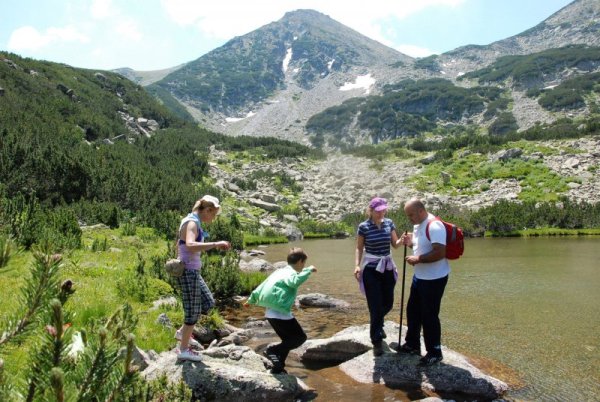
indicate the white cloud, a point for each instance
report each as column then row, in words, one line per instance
column 29, row 38
column 101, row 9
column 225, row 19
column 129, row 30
column 415, row 51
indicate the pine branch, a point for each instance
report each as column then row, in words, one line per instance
column 57, row 382
column 95, row 366
column 50, row 355
column 6, row 389
column 39, row 288
column 129, row 372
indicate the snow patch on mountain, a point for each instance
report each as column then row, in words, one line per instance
column 287, row 59
column 362, row 82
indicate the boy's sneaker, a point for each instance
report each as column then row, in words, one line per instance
column 278, row 365
column 409, row 350
column 429, row 359
column 189, row 354
column 192, row 342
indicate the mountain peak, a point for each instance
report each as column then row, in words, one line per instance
column 301, row 49
column 303, row 13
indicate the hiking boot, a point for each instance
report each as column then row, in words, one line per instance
column 192, row 342
column 409, row 350
column 377, row 349
column 189, row 354
column 430, row 360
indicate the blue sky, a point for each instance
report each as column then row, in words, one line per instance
column 156, row 34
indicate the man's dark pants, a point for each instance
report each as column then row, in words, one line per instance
column 422, row 311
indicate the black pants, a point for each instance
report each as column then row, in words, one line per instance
column 422, row 311
column 379, row 289
column 291, row 333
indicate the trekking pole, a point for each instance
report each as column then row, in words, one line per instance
column 402, row 296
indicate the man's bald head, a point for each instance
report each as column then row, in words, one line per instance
column 415, row 210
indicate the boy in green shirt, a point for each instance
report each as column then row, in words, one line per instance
column 278, row 293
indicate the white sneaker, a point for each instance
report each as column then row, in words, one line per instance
column 189, row 354
column 192, row 342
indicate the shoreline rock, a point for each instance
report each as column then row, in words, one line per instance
column 352, row 347
column 228, row 373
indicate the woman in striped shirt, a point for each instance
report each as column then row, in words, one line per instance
column 375, row 269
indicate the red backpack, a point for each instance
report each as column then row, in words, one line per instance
column 454, row 239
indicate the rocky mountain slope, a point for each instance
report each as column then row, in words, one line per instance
column 344, row 184
column 271, row 81
column 576, row 23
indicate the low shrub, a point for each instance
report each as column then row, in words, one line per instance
column 222, row 274
column 250, row 280
column 6, row 249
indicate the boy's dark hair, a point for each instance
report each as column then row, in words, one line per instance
column 296, row 254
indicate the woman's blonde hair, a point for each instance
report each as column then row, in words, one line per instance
column 206, row 202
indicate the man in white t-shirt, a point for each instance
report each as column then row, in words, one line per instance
column 429, row 281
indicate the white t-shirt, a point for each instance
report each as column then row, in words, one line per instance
column 421, row 245
column 270, row 313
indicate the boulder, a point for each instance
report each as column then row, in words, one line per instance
column 343, row 346
column 291, row 218
column 280, row 264
column 453, row 375
column 237, row 338
column 261, row 329
column 321, row 300
column 293, row 233
column 256, row 265
column 229, row 373
column 507, row 154
column 169, row 301
column 267, row 206
column 164, row 320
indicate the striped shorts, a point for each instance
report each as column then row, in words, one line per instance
column 196, row 296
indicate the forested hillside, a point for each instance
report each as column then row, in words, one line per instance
column 75, row 145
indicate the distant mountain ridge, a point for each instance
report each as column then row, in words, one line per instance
column 576, row 23
column 145, row 78
column 273, row 80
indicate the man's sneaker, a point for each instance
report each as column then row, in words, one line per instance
column 189, row 354
column 429, row 359
column 377, row 349
column 192, row 342
column 408, row 350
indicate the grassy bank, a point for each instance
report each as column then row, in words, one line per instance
column 111, row 270
column 255, row 240
column 544, row 232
